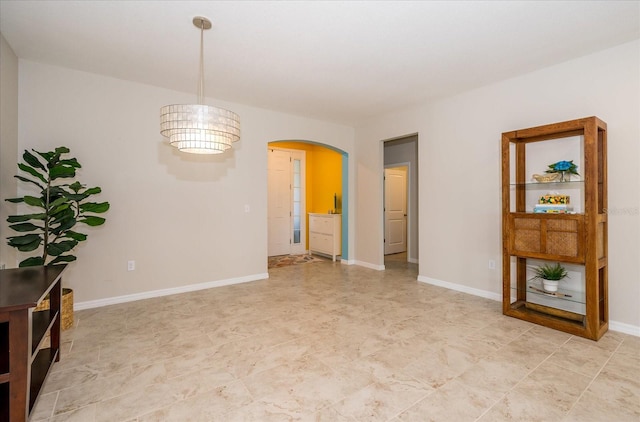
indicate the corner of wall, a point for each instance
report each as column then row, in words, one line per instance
column 8, row 146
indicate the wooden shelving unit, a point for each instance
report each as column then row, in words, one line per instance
column 25, row 360
column 578, row 239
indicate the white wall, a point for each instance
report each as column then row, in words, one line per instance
column 460, row 170
column 8, row 146
column 180, row 217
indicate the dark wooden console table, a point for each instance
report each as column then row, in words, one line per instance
column 24, row 361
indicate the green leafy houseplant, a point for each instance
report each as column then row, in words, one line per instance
column 551, row 275
column 551, row 272
column 60, row 207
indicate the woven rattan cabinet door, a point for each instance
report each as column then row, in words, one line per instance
column 547, row 237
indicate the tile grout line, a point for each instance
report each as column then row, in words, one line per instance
column 417, row 401
column 594, row 378
column 55, row 403
column 524, row 377
column 437, row 389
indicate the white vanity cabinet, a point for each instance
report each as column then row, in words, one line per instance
column 325, row 234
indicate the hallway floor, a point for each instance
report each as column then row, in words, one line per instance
column 330, row 342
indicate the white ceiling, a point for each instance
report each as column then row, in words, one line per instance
column 340, row 61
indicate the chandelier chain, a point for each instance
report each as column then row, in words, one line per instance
column 201, row 78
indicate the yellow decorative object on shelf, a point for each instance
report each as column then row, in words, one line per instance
column 554, row 199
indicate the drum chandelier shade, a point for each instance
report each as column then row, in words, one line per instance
column 199, row 128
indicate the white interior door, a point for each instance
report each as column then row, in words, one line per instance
column 286, row 204
column 395, row 210
column 279, row 202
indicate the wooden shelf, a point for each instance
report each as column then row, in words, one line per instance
column 23, row 332
column 39, row 371
column 573, row 184
column 41, row 323
column 574, row 238
column 535, row 287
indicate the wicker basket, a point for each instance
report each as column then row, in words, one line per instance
column 67, row 308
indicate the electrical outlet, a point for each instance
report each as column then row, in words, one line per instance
column 1, row 266
column 492, row 264
column 131, row 265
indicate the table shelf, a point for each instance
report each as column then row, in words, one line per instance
column 23, row 332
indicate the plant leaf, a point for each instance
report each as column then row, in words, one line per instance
column 61, row 150
column 15, row 200
column 24, row 227
column 26, row 243
column 24, row 239
column 93, row 191
column 31, row 262
column 24, row 179
column 97, row 208
column 92, row 221
column 46, row 155
column 32, row 171
column 71, row 162
column 62, row 258
column 57, row 202
column 64, row 225
column 58, row 172
column 32, row 160
column 76, row 236
column 58, row 248
column 33, row 201
column 26, row 217
column 75, row 196
column 76, row 186
column 57, row 191
column 59, row 209
column 62, row 213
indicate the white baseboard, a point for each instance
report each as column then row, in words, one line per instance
column 166, row 292
column 347, row 261
column 620, row 327
column 461, row 288
column 413, row 260
column 368, row 265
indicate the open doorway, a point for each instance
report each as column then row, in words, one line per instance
column 401, row 199
column 324, row 190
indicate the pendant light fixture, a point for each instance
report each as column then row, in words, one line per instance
column 199, row 128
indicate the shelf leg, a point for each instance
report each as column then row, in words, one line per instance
column 19, row 364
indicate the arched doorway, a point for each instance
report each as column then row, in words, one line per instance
column 326, row 171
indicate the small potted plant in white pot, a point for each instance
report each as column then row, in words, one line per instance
column 551, row 276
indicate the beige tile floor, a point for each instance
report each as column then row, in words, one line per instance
column 329, row 342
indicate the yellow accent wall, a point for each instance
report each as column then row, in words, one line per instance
column 323, row 177
column 326, row 180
